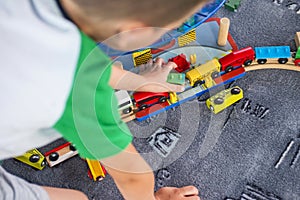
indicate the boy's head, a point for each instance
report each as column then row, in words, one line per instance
column 102, row 19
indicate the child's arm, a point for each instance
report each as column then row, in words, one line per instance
column 153, row 78
column 135, row 179
column 132, row 175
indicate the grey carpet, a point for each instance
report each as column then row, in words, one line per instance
column 219, row 154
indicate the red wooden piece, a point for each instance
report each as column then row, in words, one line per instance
column 146, row 99
column 181, row 62
column 237, row 58
column 229, row 75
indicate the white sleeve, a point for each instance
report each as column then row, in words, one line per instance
column 39, row 51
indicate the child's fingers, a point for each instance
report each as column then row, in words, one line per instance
column 170, row 65
column 150, row 61
column 157, row 65
column 175, row 88
column 159, row 61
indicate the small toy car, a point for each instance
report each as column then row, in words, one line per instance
column 224, row 99
column 144, row 100
column 33, row 158
column 60, row 154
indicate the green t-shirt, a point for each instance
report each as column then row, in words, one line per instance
column 91, row 120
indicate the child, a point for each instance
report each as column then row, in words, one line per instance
column 44, row 43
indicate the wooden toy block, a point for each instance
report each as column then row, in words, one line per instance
column 223, row 31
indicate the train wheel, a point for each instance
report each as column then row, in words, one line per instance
column 198, row 83
column 162, row 99
column 219, row 101
column 282, row 60
column 235, row 91
column 261, row 61
column 143, row 107
column 247, row 62
column 215, row 74
column 228, row 69
column 99, row 178
column 44, row 163
column 127, row 110
column 53, row 156
column 34, row 158
column 72, row 148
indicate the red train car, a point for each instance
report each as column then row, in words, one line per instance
column 237, row 58
column 144, row 100
column 60, row 154
column 297, row 62
column 181, row 62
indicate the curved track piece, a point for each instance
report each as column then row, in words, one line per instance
column 273, row 66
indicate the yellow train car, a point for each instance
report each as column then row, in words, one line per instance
column 224, row 99
column 97, row 171
column 196, row 76
column 33, row 158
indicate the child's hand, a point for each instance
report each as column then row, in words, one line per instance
column 155, row 75
column 173, row 193
column 151, row 78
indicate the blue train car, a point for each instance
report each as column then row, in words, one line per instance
column 280, row 52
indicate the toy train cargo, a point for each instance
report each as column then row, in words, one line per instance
column 280, row 52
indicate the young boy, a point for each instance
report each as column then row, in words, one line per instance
column 54, row 80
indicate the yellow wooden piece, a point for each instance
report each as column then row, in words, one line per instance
column 34, row 158
column 173, row 97
column 209, row 82
column 96, row 169
column 193, row 59
column 187, row 38
column 200, row 72
column 224, row 99
column 141, row 57
column 297, row 39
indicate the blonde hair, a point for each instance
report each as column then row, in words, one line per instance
column 154, row 13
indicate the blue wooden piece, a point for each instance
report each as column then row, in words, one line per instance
column 272, row 52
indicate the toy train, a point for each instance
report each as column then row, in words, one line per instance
column 209, row 74
column 96, row 171
column 33, row 158
column 224, row 99
column 60, row 154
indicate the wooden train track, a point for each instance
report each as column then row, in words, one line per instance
column 287, row 66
